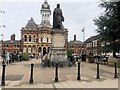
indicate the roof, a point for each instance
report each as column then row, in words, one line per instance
column 75, row 42
column 31, row 24
column 10, row 41
column 92, row 38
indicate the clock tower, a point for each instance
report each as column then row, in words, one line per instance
column 45, row 12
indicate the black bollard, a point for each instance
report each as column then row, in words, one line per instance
column 98, row 75
column 115, row 76
column 56, row 73
column 3, row 76
column 78, row 77
column 31, row 75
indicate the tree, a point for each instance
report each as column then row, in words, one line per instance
column 69, row 52
column 109, row 26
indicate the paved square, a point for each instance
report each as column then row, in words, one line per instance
column 18, row 75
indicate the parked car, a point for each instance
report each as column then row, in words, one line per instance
column 117, row 56
column 31, row 56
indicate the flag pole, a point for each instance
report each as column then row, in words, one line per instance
column 83, row 39
column 83, row 34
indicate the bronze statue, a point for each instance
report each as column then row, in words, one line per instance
column 57, row 18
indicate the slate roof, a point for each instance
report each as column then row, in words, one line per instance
column 75, row 42
column 92, row 38
column 10, row 41
column 31, row 24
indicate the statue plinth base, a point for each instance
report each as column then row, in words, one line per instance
column 59, row 53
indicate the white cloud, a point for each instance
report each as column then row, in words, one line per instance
column 77, row 15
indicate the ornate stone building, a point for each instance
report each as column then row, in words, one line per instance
column 37, row 38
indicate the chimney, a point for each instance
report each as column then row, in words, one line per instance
column 12, row 37
column 75, row 37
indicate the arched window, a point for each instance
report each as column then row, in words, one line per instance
column 34, row 38
column 25, row 38
column 18, row 46
column 30, row 38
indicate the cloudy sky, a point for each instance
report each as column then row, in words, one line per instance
column 77, row 13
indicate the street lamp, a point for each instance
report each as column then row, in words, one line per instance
column 2, row 40
column 2, row 11
column 2, row 35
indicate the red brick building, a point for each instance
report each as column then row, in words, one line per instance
column 75, row 46
column 11, row 45
column 93, row 45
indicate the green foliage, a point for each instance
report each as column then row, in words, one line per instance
column 69, row 52
column 109, row 25
column 107, row 49
column 25, row 57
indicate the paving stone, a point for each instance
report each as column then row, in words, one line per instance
column 72, row 84
column 58, row 85
column 48, row 85
column 28, row 86
column 40, row 85
column 14, row 83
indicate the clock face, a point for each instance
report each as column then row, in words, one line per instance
column 45, row 5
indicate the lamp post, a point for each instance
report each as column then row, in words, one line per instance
column 78, row 75
column 2, row 40
column 98, row 68
column 2, row 11
column 2, row 33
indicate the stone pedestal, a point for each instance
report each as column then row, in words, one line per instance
column 59, row 52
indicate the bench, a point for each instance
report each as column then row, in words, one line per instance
column 102, row 59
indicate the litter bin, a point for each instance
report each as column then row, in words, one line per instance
column 83, row 57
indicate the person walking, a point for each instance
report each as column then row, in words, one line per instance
column 7, row 57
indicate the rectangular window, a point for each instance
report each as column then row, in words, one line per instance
column 24, row 50
column 41, row 39
column 29, row 49
column 47, row 39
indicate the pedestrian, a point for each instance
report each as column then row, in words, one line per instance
column 7, row 57
column 70, row 64
column 53, row 64
column 20, row 57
